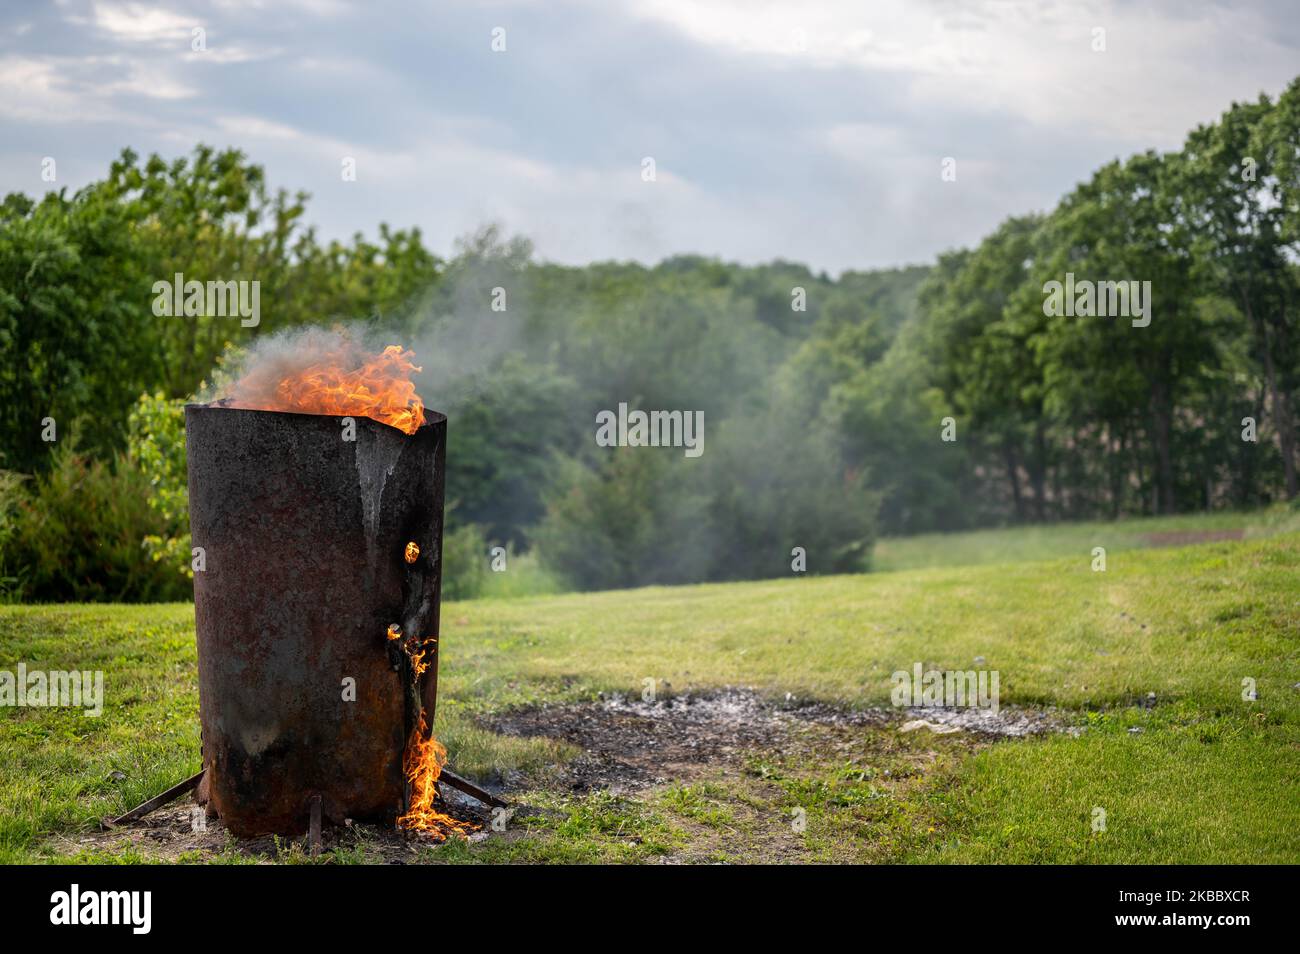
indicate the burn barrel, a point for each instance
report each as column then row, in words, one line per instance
column 305, row 565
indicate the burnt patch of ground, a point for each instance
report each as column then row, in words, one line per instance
column 630, row 744
column 719, row 775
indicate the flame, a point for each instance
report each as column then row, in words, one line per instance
column 423, row 762
column 344, row 381
column 418, row 663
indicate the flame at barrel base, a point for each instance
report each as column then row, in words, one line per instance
column 423, row 762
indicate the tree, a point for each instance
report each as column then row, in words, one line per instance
column 76, row 334
column 1117, row 227
column 977, row 337
column 1274, row 211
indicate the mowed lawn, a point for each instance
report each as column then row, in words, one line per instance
column 1202, row 775
column 1049, row 541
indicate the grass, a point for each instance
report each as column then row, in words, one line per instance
column 1208, row 777
column 1053, row 541
column 1194, row 787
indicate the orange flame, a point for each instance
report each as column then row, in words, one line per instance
column 423, row 762
column 419, row 663
column 345, row 382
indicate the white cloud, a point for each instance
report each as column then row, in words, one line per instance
column 30, row 91
column 783, row 128
column 1029, row 59
column 144, row 78
column 254, row 128
column 53, row 90
column 139, row 23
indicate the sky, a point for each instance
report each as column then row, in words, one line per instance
column 807, row 131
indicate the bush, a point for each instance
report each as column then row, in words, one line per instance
column 778, row 482
column 464, row 563
column 11, row 496
column 467, row 572
column 633, row 520
column 768, row 482
column 524, row 575
column 156, row 438
column 75, row 534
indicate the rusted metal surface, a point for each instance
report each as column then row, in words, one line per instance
column 304, row 537
column 313, row 826
column 158, row 801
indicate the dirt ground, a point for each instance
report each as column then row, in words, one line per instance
column 179, row 832
column 627, row 746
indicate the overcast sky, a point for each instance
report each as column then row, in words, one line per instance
column 810, row 131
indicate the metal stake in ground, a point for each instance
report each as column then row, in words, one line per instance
column 158, row 801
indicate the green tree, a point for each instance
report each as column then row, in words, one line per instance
column 1274, row 211
column 977, row 339
column 1118, row 227
column 76, row 336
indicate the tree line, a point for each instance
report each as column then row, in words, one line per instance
column 1084, row 417
column 936, row 397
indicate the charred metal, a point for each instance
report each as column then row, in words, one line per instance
column 323, row 564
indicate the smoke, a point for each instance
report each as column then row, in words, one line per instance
column 522, row 358
column 463, row 329
column 452, row 337
column 255, row 374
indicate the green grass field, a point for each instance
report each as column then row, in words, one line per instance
column 1050, row 541
column 1201, row 776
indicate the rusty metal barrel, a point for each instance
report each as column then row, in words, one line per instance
column 304, row 567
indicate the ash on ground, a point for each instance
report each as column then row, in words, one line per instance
column 625, row 744
column 1012, row 722
column 629, row 744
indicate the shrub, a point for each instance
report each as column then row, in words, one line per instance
column 75, row 533
column 778, row 482
column 464, row 563
column 767, row 483
column 11, row 496
column 156, row 439
column 635, row 519
column 524, row 575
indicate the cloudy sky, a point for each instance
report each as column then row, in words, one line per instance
column 811, row 131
